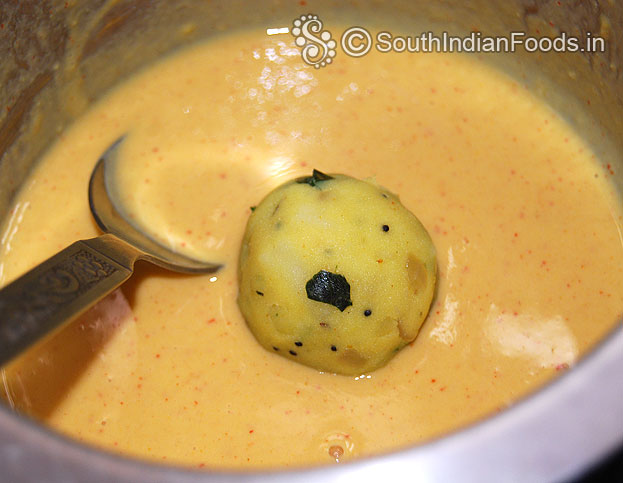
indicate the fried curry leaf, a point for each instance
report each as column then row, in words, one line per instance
column 314, row 179
column 329, row 288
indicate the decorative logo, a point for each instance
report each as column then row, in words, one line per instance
column 318, row 49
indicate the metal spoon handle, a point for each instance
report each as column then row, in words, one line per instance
column 41, row 301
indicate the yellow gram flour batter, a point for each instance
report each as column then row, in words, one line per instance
column 524, row 220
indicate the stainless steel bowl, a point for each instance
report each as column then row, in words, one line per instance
column 57, row 57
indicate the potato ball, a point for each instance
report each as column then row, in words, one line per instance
column 335, row 273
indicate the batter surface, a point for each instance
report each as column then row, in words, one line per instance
column 525, row 222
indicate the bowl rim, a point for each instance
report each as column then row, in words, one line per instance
column 556, row 433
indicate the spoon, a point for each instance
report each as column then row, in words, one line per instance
column 40, row 302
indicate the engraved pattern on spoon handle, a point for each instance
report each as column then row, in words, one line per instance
column 41, row 301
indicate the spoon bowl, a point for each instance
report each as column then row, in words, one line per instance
column 111, row 220
column 40, row 302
